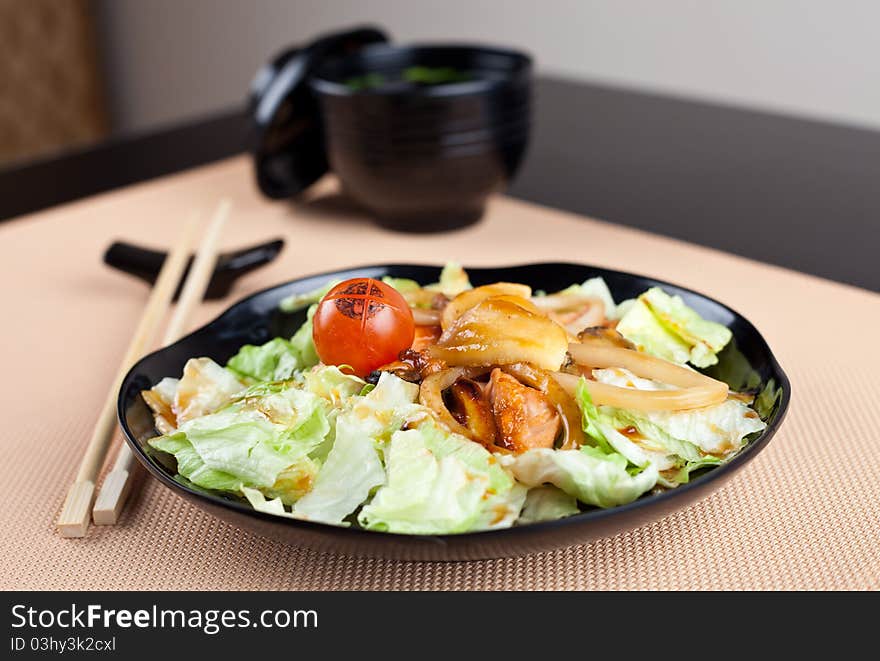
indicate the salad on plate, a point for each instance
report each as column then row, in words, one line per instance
column 445, row 408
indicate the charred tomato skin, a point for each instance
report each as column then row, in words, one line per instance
column 362, row 323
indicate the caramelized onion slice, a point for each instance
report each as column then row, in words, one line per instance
column 606, row 336
column 468, row 299
column 564, row 402
column 498, row 331
column 695, row 390
column 562, row 302
column 423, row 317
column 431, row 395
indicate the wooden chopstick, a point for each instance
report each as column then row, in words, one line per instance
column 117, row 485
column 73, row 521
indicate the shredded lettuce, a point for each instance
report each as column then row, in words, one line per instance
column 386, row 407
column 260, row 441
column 296, row 302
column 601, row 426
column 547, row 504
column 734, row 369
column 706, row 338
column 588, row 474
column 192, row 467
column 644, row 330
column 353, row 467
column 329, row 382
column 666, row 327
column 258, row 502
column 590, row 416
column 275, row 360
column 278, row 359
column 204, row 387
column 676, row 442
column 767, row 399
column 303, row 344
column 352, row 470
column 403, row 285
column 597, row 288
column 441, row 483
column 718, row 430
column 453, row 281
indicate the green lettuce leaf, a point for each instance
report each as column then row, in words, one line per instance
column 473, row 455
column 386, row 407
column 638, row 454
column 642, row 328
column 590, row 416
column 275, row 360
column 705, row 337
column 329, row 382
column 245, row 444
column 351, row 471
column 682, row 475
column 603, row 427
column 547, row 504
column 353, row 467
column 597, row 288
column 453, row 281
column 588, row 474
column 716, row 430
column 259, row 502
column 297, row 302
column 402, row 285
column 767, row 399
column 260, row 441
column 191, row 466
column 734, row 369
column 303, row 344
column 666, row 327
column 441, row 483
column 204, row 387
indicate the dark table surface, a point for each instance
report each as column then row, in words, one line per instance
column 798, row 193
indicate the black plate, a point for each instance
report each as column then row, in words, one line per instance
column 257, row 319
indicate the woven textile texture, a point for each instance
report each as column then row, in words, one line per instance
column 804, row 514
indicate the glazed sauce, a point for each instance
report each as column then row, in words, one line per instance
column 631, row 433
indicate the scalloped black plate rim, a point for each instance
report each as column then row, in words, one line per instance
column 645, row 503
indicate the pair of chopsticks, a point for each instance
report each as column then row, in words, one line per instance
column 78, row 510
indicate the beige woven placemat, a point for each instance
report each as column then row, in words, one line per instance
column 804, row 514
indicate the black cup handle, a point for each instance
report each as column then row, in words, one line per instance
column 145, row 264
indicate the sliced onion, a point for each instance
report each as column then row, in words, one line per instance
column 498, row 331
column 431, row 395
column 563, row 401
column 423, row 317
column 470, row 298
column 559, row 302
column 593, row 315
column 696, row 390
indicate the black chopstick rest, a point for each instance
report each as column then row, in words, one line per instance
column 145, row 264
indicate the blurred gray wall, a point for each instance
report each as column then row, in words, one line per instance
column 170, row 60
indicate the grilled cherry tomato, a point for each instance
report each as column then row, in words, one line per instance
column 362, row 323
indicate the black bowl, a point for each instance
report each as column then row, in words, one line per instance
column 430, row 193
column 427, row 191
column 257, row 319
column 403, row 117
column 386, row 170
column 413, row 142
